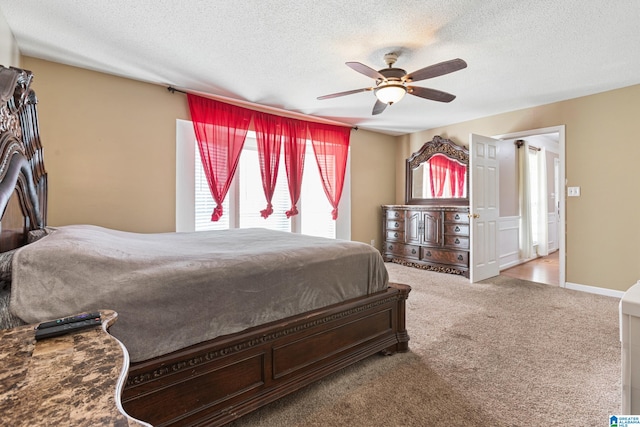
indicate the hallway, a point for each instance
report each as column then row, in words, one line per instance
column 542, row 270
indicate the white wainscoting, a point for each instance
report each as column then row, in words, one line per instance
column 508, row 237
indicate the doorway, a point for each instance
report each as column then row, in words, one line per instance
column 550, row 268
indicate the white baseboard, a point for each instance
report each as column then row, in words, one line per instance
column 594, row 290
column 510, row 264
column 515, row 262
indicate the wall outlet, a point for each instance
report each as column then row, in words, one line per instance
column 573, row 191
column 373, row 243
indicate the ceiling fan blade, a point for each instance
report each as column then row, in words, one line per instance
column 436, row 70
column 432, row 94
column 378, row 107
column 366, row 70
column 349, row 92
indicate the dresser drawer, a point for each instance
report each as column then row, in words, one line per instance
column 445, row 257
column 395, row 236
column 393, row 214
column 402, row 250
column 395, row 224
column 456, row 242
column 456, row 229
column 456, row 217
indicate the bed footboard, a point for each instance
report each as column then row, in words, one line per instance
column 216, row 382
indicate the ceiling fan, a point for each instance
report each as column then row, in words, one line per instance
column 393, row 83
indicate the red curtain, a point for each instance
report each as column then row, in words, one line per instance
column 460, row 174
column 295, row 144
column 438, row 174
column 220, row 130
column 269, row 135
column 331, row 147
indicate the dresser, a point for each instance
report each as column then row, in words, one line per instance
column 430, row 237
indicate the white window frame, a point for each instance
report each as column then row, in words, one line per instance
column 185, row 188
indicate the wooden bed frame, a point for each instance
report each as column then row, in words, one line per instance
column 217, row 381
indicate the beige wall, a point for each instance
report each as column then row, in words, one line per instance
column 602, row 153
column 372, row 183
column 110, row 153
column 509, row 197
column 109, row 147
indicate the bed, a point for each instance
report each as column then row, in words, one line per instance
column 218, row 325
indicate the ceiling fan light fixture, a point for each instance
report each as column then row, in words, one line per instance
column 392, row 84
column 390, row 93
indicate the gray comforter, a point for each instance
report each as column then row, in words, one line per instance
column 172, row 290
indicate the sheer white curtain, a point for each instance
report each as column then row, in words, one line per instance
column 524, row 189
column 532, row 182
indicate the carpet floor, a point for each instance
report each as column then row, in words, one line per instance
column 502, row 352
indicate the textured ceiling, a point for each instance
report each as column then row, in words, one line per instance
column 285, row 54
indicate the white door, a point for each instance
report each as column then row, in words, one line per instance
column 483, row 207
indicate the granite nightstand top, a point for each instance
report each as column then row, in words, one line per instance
column 70, row 380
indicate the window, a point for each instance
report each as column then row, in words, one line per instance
column 251, row 198
column 245, row 199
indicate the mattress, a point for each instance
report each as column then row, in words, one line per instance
column 173, row 290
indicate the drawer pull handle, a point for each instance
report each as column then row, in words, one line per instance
column 460, row 257
column 396, row 224
column 413, row 251
column 395, row 234
column 457, row 229
column 390, row 247
column 428, row 253
column 457, row 241
column 457, row 216
column 397, row 214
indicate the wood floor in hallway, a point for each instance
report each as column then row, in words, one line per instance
column 542, row 270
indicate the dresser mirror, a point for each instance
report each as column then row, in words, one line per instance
column 437, row 174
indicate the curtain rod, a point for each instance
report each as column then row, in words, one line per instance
column 264, row 108
column 520, row 142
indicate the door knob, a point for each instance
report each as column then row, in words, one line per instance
column 473, row 215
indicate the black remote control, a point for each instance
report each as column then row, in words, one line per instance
column 55, row 331
column 65, row 320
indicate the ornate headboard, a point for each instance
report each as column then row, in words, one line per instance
column 23, row 178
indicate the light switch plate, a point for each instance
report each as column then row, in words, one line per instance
column 573, row 191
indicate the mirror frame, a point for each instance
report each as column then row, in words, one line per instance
column 437, row 145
